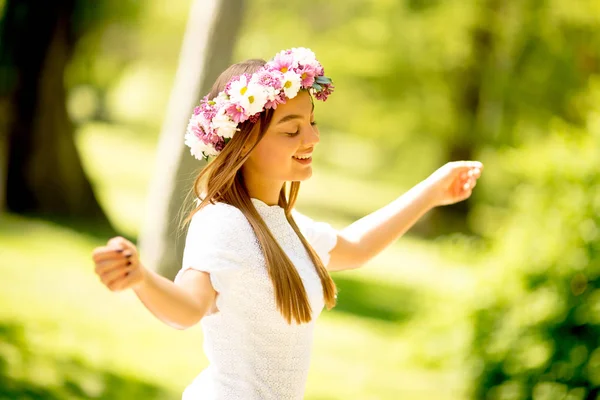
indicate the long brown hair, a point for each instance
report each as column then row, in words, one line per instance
column 222, row 181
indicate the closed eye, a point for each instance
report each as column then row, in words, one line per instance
column 292, row 134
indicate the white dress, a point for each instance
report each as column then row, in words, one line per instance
column 253, row 353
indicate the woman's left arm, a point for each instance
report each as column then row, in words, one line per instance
column 367, row 237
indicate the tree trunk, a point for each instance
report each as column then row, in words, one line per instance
column 472, row 130
column 44, row 174
column 210, row 36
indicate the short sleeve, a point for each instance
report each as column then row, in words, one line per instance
column 321, row 235
column 213, row 243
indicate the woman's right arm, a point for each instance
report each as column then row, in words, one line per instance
column 179, row 305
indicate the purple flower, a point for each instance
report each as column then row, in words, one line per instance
column 197, row 110
column 214, row 139
column 220, row 145
column 325, row 92
column 254, row 118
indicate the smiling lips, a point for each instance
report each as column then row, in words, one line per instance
column 303, row 158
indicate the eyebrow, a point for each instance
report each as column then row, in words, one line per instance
column 290, row 117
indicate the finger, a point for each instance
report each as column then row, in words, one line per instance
column 98, row 251
column 473, row 164
column 116, row 285
column 116, row 277
column 104, row 267
column 466, row 165
column 111, row 254
column 475, row 173
column 121, row 242
column 107, row 273
column 124, row 283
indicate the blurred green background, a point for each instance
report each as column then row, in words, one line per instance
column 493, row 298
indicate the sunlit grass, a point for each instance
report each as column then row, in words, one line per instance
column 66, row 312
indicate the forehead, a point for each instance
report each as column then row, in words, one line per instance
column 302, row 104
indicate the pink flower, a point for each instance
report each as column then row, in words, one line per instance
column 271, row 78
column 206, row 109
column 209, row 113
column 201, row 134
column 280, row 99
column 320, row 69
column 307, row 74
column 198, row 132
column 283, row 62
column 237, row 113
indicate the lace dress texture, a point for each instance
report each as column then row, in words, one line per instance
column 253, row 353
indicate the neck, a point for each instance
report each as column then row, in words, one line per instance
column 265, row 191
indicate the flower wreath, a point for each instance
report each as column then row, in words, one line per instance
column 215, row 121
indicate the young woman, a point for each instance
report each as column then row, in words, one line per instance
column 256, row 272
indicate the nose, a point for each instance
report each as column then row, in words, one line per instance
column 311, row 136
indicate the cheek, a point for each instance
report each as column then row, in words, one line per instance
column 271, row 157
column 274, row 153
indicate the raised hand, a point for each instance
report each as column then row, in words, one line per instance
column 454, row 181
column 117, row 264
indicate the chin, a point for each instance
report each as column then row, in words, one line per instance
column 299, row 176
column 304, row 175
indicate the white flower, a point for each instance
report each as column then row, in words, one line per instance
column 291, row 84
column 221, row 98
column 304, row 56
column 210, row 150
column 250, row 95
column 271, row 93
column 255, row 99
column 197, row 146
column 224, row 125
column 238, row 89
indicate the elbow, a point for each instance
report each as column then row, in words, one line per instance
column 180, row 327
column 187, row 321
column 183, row 325
column 345, row 264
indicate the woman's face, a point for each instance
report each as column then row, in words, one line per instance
column 291, row 135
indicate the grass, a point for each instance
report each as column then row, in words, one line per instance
column 396, row 332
